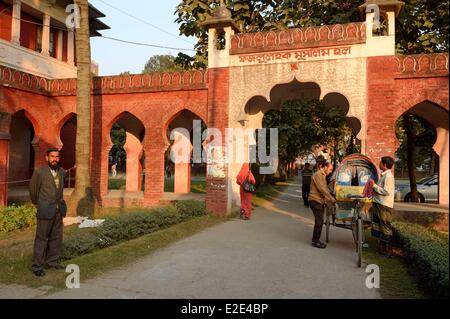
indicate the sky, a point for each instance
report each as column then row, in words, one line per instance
column 115, row 57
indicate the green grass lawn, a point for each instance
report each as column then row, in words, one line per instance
column 198, row 187
column 16, row 253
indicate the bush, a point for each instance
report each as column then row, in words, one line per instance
column 130, row 226
column 15, row 217
column 427, row 256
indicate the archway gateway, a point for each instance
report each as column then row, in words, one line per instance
column 349, row 64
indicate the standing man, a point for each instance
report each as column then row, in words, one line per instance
column 383, row 206
column 319, row 198
column 46, row 192
column 306, row 183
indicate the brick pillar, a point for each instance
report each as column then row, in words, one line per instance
column 182, row 159
column 441, row 147
column 218, row 108
column 5, row 122
column 381, row 138
column 100, row 173
column 133, row 148
column 155, row 149
column 4, row 165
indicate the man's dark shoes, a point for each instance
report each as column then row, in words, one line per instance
column 56, row 266
column 319, row 244
column 39, row 273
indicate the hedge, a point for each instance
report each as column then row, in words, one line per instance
column 427, row 256
column 130, row 226
column 15, row 217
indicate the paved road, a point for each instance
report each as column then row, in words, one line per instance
column 268, row 257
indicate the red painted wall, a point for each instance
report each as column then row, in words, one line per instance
column 5, row 22
column 392, row 93
column 28, row 31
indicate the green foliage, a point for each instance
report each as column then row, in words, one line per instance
column 118, row 138
column 161, row 63
column 130, row 226
column 303, row 124
column 422, row 26
column 116, row 183
column 424, row 139
column 14, row 218
column 427, row 255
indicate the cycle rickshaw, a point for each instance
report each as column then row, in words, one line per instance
column 353, row 198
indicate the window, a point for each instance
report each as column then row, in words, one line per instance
column 39, row 39
column 51, row 48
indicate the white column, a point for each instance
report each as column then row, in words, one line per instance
column 442, row 150
column 15, row 23
column 46, row 35
column 70, row 47
column 59, row 51
column 391, row 22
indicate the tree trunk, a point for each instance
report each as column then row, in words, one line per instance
column 82, row 201
column 411, row 154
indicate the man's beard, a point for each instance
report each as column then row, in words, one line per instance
column 54, row 166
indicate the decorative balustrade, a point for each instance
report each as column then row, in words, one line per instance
column 135, row 83
column 23, row 80
column 107, row 84
column 423, row 64
column 327, row 35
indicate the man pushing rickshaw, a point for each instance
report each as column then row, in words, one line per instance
column 356, row 198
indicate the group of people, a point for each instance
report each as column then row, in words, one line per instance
column 47, row 185
column 317, row 195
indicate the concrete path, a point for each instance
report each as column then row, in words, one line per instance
column 267, row 257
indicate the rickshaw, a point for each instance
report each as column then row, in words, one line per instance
column 353, row 198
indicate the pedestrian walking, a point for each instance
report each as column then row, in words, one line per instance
column 245, row 180
column 114, row 170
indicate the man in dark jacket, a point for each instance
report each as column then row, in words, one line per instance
column 46, row 192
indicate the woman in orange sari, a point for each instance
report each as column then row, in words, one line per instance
column 246, row 197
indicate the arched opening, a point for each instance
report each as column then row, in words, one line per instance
column 68, row 136
column 126, row 160
column 21, row 156
column 425, row 159
column 184, row 173
column 305, row 121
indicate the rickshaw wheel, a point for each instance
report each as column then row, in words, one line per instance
column 360, row 241
column 327, row 228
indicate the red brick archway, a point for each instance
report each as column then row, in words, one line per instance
column 394, row 85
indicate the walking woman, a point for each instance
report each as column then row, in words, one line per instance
column 246, row 197
column 319, row 197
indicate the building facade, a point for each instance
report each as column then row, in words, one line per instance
column 34, row 37
column 349, row 66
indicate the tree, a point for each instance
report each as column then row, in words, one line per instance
column 118, row 138
column 161, row 63
column 422, row 26
column 416, row 138
column 82, row 199
column 303, row 124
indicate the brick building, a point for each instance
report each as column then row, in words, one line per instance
column 347, row 66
